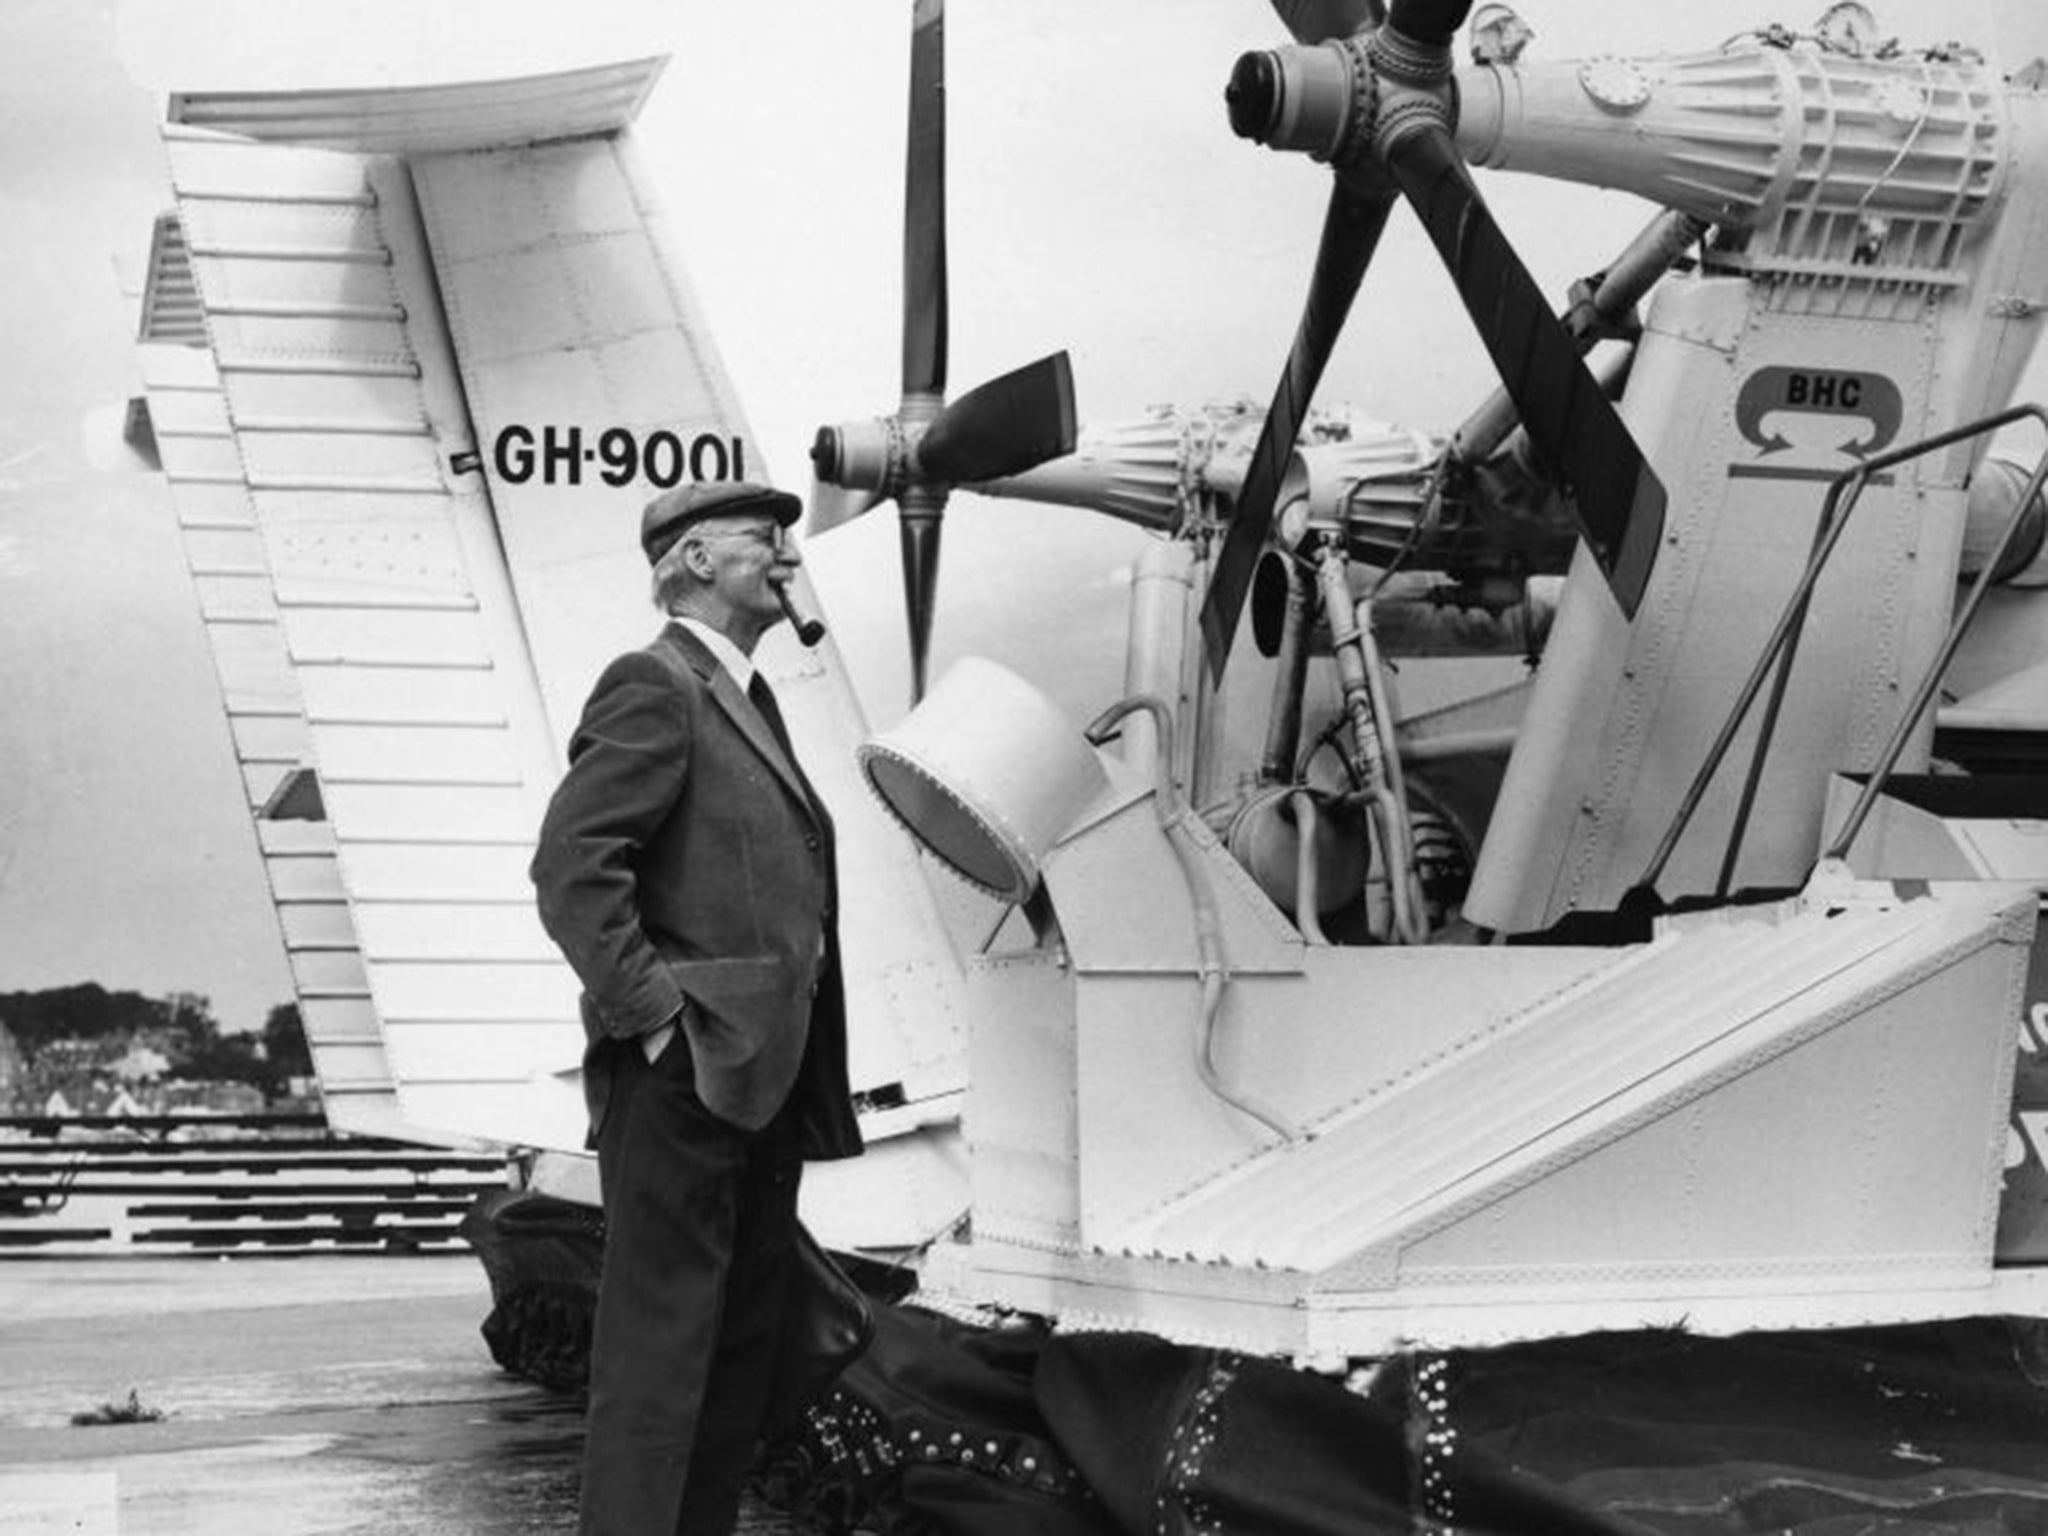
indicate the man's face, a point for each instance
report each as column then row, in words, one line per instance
column 750, row 557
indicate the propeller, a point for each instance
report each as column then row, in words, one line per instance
column 1351, row 232
column 1378, row 105
column 917, row 456
column 832, row 505
column 1315, row 21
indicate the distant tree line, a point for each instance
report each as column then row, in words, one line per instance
column 87, row 1026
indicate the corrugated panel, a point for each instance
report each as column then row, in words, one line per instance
column 170, row 301
column 383, row 581
column 484, row 114
column 1560, row 1073
column 267, row 722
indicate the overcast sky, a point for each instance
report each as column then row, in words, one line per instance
column 1098, row 202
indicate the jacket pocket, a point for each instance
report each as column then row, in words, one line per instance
column 739, row 986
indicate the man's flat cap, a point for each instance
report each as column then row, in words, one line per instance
column 665, row 517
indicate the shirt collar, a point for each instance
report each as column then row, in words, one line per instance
column 735, row 661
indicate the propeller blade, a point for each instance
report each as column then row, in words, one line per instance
column 1317, row 21
column 1005, row 427
column 1351, row 232
column 920, row 510
column 1433, row 23
column 833, row 505
column 924, row 206
column 1568, row 417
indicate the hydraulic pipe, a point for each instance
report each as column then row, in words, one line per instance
column 1175, row 820
column 1367, row 755
column 1307, row 884
column 1401, row 871
column 1283, row 725
column 1635, row 272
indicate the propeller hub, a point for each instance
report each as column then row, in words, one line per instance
column 1253, row 96
column 827, row 455
column 859, row 456
column 1404, row 60
column 1314, row 100
column 1417, row 89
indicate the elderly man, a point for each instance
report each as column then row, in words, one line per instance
column 685, row 868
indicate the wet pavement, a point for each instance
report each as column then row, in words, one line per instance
column 304, row 1396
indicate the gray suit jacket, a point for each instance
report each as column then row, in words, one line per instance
column 684, row 858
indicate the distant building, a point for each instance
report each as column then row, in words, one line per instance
column 141, row 1064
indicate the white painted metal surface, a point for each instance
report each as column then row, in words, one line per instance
column 1861, row 311
column 267, row 720
column 1790, row 1115
column 567, row 325
column 570, row 317
column 1810, row 148
column 1620, row 715
column 419, row 708
column 1904, row 840
column 1471, row 1142
column 987, row 773
column 480, row 114
column 443, row 618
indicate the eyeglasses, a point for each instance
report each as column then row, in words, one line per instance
column 771, row 535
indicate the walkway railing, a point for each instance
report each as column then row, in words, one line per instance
column 1844, row 492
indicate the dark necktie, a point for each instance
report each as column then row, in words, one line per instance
column 764, row 700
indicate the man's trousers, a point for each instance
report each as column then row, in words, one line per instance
column 699, row 1223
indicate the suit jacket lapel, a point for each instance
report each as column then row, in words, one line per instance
column 740, row 709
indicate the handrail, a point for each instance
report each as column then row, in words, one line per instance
column 1924, row 695
column 1844, row 492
